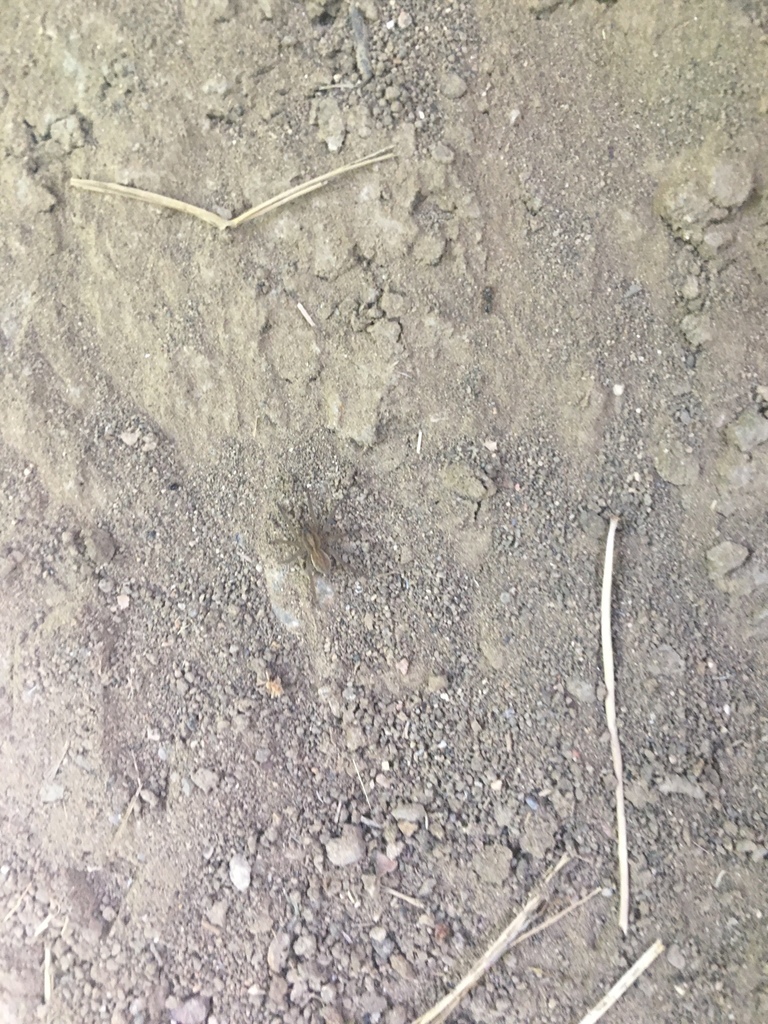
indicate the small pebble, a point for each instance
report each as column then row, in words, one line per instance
column 277, row 953
column 240, row 872
column 452, row 85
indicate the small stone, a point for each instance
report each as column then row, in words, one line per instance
column 123, row 601
column 330, row 124
column 402, row 666
column 731, row 184
column 409, row 812
column 677, row 785
column 675, row 957
column 354, row 737
column 442, row 154
column 384, row 865
column 205, row 779
column 725, row 557
column 665, row 661
column 404, row 20
column 217, row 914
column 408, row 828
column 277, row 953
column 348, row 849
column 401, row 966
column 748, row 431
column 581, row 689
column 130, row 437
column 452, row 85
column 240, row 872
column 193, row 1011
column 278, row 990
column 305, row 946
column 99, row 546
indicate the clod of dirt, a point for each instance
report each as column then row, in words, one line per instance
column 538, row 835
column 277, row 953
column 748, row 431
column 193, row 1011
column 725, row 557
column 665, row 661
column 676, row 465
column 217, row 913
column 330, row 124
column 409, row 812
column 492, row 863
column 99, row 546
column 731, row 183
column 348, row 849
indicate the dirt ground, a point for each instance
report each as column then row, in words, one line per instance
column 235, row 788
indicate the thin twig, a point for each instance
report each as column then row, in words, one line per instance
column 166, row 202
column 624, row 982
column 610, row 714
column 362, row 785
column 496, row 950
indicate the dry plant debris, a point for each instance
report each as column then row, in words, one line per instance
column 515, row 932
column 222, row 223
column 625, row 981
column 610, row 714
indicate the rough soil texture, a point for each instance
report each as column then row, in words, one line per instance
column 217, row 763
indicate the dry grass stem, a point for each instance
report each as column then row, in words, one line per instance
column 53, row 771
column 624, row 982
column 302, row 309
column 47, row 976
column 17, row 904
column 166, row 202
column 128, row 812
column 404, row 897
column 497, row 949
column 362, row 785
column 610, row 714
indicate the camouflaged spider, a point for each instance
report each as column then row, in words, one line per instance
column 308, row 543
